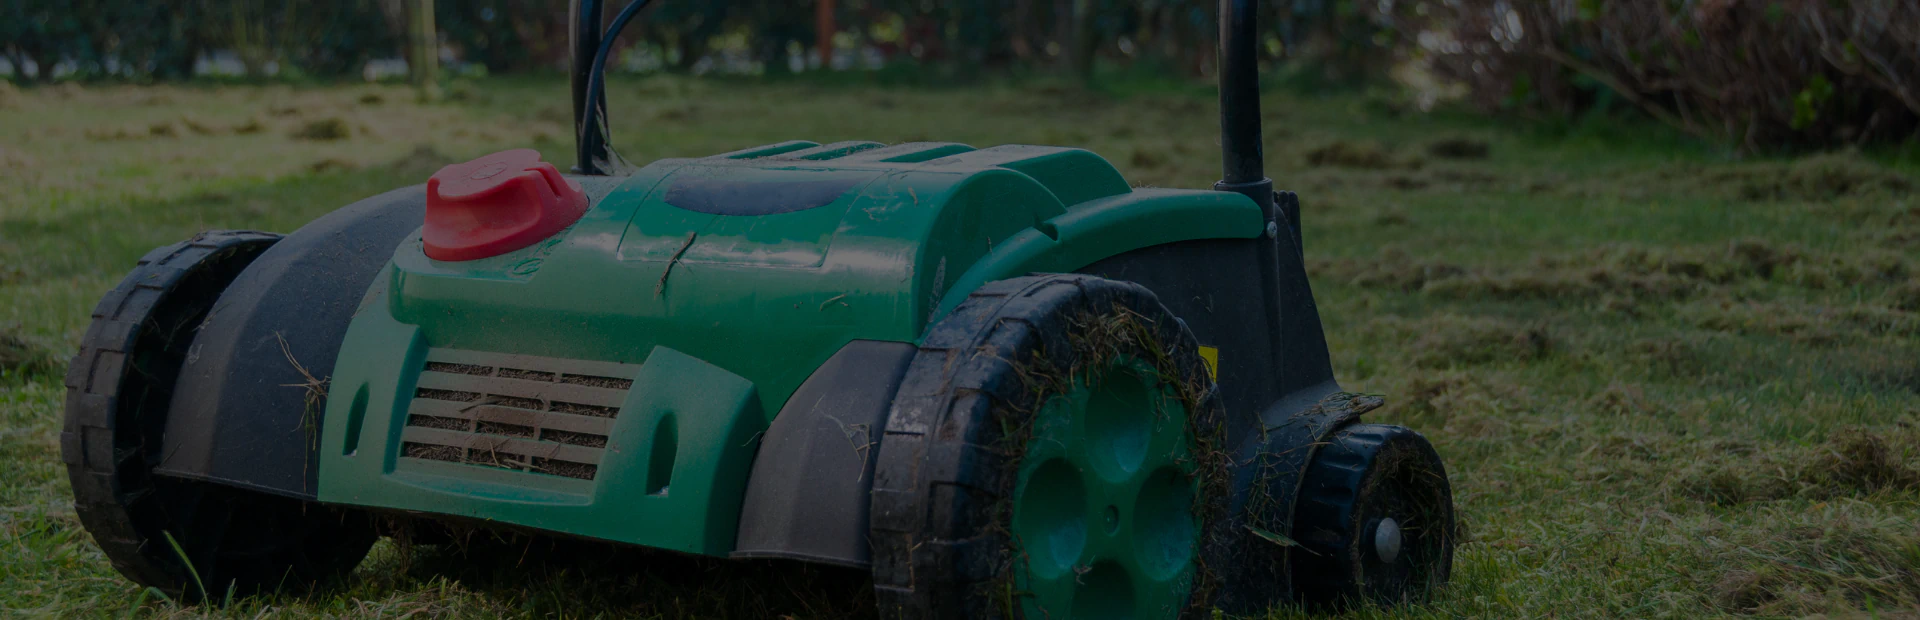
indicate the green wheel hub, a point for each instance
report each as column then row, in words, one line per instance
column 1103, row 508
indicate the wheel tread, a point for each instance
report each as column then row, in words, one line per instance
column 1326, row 524
column 938, row 477
column 113, row 491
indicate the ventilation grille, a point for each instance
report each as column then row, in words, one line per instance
column 518, row 412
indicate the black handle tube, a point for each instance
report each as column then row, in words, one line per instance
column 1242, row 159
column 584, row 18
column 1240, row 93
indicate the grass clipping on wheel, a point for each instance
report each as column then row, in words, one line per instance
column 1096, row 338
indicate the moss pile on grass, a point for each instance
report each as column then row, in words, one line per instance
column 1850, row 462
column 1459, row 147
column 1448, row 340
column 1816, row 178
column 325, row 129
column 1865, row 461
column 1845, row 557
column 1623, row 270
column 1361, row 154
column 19, row 355
column 1905, row 297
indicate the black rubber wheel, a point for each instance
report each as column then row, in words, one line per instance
column 1375, row 519
column 958, row 469
column 190, row 539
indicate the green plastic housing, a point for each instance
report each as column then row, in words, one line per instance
column 715, row 314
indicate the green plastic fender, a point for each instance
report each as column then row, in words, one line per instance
column 1109, row 226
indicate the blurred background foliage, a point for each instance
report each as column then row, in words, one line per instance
column 1752, row 74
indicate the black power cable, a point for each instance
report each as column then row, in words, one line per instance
column 592, row 162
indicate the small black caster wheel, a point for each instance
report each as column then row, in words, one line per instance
column 1375, row 520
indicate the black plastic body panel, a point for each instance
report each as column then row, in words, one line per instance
column 808, row 496
column 242, row 412
column 1272, row 355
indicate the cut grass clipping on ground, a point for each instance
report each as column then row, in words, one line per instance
column 1665, row 384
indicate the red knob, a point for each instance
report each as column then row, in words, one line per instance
column 497, row 204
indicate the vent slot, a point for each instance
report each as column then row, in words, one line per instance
column 530, row 375
column 574, row 439
column 605, row 382
column 459, row 369
column 517, row 412
column 579, row 409
column 503, row 430
column 461, row 397
column 450, row 424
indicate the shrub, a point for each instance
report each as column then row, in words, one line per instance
column 1748, row 72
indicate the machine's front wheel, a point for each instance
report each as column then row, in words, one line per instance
column 1054, row 451
column 1375, row 519
column 188, row 538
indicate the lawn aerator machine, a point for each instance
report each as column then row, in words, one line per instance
column 1000, row 379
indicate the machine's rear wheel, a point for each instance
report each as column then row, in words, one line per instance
column 1053, row 452
column 1375, row 519
column 189, row 539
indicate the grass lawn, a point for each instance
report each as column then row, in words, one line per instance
column 1666, row 382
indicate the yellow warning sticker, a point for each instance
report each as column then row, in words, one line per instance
column 1211, row 356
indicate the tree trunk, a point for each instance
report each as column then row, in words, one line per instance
column 1085, row 40
column 1063, row 26
column 1017, row 39
column 774, row 58
column 42, row 65
column 824, row 29
column 19, row 63
column 393, row 12
column 690, row 48
column 249, row 38
column 423, row 50
column 177, row 63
